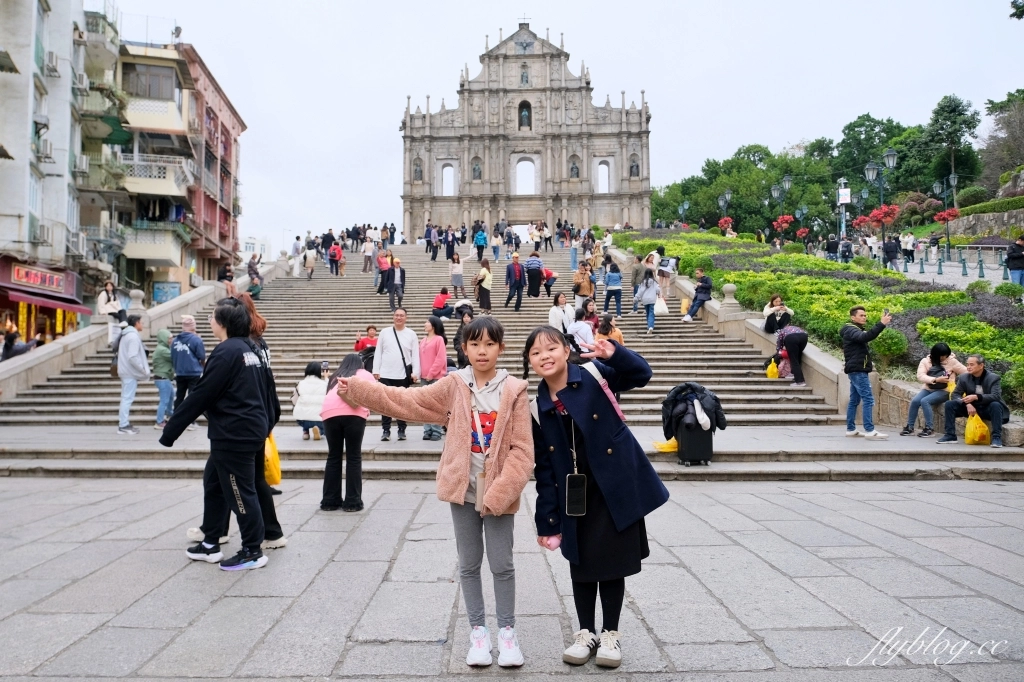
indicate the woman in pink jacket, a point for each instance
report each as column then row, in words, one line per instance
column 344, row 424
column 433, row 365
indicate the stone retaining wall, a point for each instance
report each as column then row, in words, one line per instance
column 987, row 222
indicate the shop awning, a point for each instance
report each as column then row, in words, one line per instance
column 44, row 302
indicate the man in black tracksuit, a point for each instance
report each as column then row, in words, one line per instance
column 238, row 396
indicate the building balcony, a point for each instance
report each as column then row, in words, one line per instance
column 157, row 115
column 160, row 175
column 210, row 184
column 102, row 42
column 160, row 244
column 105, row 173
column 103, row 114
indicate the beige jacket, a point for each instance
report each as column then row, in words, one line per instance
column 951, row 365
column 448, row 402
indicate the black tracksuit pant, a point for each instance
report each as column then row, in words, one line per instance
column 219, row 498
column 795, row 345
column 385, row 420
column 185, row 385
column 344, row 440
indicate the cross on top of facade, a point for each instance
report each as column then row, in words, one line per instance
column 525, row 18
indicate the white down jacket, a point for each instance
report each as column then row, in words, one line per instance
column 308, row 399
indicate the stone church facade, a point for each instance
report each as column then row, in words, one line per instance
column 590, row 164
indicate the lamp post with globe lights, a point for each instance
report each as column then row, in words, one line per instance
column 939, row 188
column 683, row 207
column 723, row 202
column 875, row 173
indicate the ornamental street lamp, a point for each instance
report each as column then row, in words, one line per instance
column 874, row 172
column 682, row 211
column 801, row 213
column 939, row 188
column 779, row 192
column 723, row 202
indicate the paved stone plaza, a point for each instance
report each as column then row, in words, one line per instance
column 746, row 581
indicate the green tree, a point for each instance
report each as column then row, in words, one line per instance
column 913, row 171
column 1018, row 9
column 822, row 149
column 952, row 125
column 864, row 139
column 993, row 108
column 967, row 164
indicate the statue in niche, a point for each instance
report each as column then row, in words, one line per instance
column 477, row 173
column 524, row 118
column 634, row 169
column 574, row 171
column 417, row 171
column 524, row 77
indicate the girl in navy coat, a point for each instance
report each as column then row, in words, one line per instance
column 578, row 430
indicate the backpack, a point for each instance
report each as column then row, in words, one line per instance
column 846, row 249
column 366, row 355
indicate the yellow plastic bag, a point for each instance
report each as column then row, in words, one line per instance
column 684, row 305
column 666, row 445
column 271, row 461
column 773, row 370
column 976, row 433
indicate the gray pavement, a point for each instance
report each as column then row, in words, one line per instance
column 777, row 581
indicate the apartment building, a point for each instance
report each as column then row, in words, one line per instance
column 118, row 160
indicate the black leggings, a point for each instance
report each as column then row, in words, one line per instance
column 795, row 345
column 585, row 596
column 344, row 441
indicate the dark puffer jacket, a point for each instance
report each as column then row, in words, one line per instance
column 856, row 354
column 675, row 407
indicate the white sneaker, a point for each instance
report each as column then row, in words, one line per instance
column 609, row 655
column 274, row 544
column 853, row 434
column 580, row 650
column 875, row 435
column 687, row 318
column 509, row 654
column 479, row 647
column 196, row 535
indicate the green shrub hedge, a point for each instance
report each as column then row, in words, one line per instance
column 997, row 206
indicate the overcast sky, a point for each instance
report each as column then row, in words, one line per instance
column 322, row 85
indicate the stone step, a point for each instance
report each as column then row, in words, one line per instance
column 818, row 470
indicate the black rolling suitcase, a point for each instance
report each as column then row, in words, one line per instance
column 695, row 447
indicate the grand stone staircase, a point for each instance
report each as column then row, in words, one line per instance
column 320, row 320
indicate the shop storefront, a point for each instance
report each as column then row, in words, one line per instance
column 39, row 300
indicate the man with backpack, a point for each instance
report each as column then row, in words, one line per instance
column 845, row 250
column 188, row 357
column 335, row 258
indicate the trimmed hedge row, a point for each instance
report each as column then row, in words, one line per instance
column 997, row 206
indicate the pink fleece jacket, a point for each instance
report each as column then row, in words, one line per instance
column 433, row 359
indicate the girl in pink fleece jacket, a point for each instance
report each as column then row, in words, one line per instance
column 486, row 463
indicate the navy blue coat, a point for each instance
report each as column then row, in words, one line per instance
column 620, row 467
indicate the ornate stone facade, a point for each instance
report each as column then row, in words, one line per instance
column 591, row 164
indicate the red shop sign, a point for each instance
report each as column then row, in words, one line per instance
column 37, row 279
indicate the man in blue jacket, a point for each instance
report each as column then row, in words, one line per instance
column 515, row 281
column 188, row 356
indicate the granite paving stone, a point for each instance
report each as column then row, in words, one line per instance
column 811, row 534
column 826, row 648
column 787, row 557
column 31, row 638
column 426, row 561
column 764, row 598
column 1004, row 537
column 766, row 511
column 895, row 523
column 181, row 599
column 434, row 510
column 982, row 555
column 16, row 594
column 862, row 552
column 431, row 531
column 956, row 502
column 398, row 501
column 719, row 657
column 1011, row 594
column 227, row 646
column 1005, row 672
column 680, row 611
column 880, row 539
column 407, row 612
column 108, row 591
column 900, row 578
column 310, row 637
column 718, row 516
column 109, row 652
column 20, row 559
column 933, row 514
column 155, row 524
column 673, row 526
column 331, row 522
column 393, row 658
column 376, row 537
column 1015, row 519
column 90, row 557
column 290, row 569
column 980, row 620
column 884, row 617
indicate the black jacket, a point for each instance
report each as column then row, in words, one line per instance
column 1015, row 257
column 856, row 354
column 832, row 246
column 389, row 278
column 327, row 241
column 892, row 250
column 238, row 396
column 702, row 292
column 991, row 390
column 676, row 407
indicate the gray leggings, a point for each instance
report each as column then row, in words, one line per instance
column 469, row 541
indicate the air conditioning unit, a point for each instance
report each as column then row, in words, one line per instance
column 40, row 234
column 81, row 81
column 52, row 64
column 45, row 150
column 191, row 165
column 77, row 244
column 82, row 165
column 195, row 280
